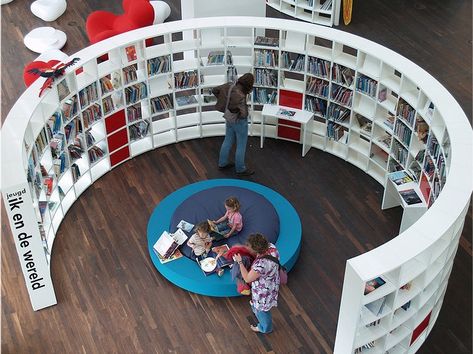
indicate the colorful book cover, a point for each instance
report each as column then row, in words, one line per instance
column 130, row 53
column 410, row 196
column 373, row 285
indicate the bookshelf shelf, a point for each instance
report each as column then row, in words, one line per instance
column 358, row 127
column 319, row 12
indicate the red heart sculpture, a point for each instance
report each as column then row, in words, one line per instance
column 30, row 78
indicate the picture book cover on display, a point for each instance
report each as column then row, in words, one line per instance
column 377, row 306
column 410, row 196
column 176, row 255
column 186, row 226
column 400, row 177
column 373, row 285
column 286, row 113
column 130, row 53
column 167, row 243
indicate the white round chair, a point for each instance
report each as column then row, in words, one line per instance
column 43, row 39
column 4, row 2
column 161, row 11
column 48, row 10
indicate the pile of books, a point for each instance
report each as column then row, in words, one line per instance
column 166, row 247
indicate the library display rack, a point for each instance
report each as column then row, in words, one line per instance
column 321, row 12
column 150, row 87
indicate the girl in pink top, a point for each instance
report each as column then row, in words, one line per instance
column 232, row 222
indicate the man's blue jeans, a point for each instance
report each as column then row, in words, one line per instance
column 265, row 320
column 235, row 131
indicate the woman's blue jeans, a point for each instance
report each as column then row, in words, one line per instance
column 265, row 320
column 235, row 131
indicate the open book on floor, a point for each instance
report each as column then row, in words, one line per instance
column 176, row 255
column 168, row 243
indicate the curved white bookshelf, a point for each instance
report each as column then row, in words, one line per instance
column 383, row 96
column 321, row 12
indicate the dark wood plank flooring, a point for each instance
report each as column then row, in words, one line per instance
column 111, row 298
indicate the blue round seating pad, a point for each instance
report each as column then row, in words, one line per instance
column 257, row 212
column 184, row 272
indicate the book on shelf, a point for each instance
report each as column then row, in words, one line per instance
column 400, row 177
column 48, row 184
column 406, row 306
column 285, row 113
column 377, row 306
column 365, row 346
column 373, row 285
column 410, row 196
column 266, row 41
column 130, row 53
column 176, row 255
column 186, row 100
column 167, row 243
column 185, row 225
column 382, row 95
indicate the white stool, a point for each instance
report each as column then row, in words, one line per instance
column 161, row 11
column 42, row 39
column 4, row 2
column 48, row 10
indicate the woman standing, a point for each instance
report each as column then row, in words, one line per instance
column 264, row 279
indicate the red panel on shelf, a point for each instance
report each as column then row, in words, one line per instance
column 289, row 122
column 80, row 70
column 289, row 133
column 424, row 187
column 119, row 156
column 115, row 121
column 117, row 140
column 420, row 328
column 290, row 99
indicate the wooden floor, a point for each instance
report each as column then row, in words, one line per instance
column 110, row 297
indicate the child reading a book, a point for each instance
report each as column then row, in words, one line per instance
column 200, row 241
column 231, row 222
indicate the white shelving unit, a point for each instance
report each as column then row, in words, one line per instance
column 371, row 107
column 321, row 12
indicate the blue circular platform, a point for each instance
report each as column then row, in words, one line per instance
column 185, row 272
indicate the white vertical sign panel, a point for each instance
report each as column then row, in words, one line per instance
column 29, row 246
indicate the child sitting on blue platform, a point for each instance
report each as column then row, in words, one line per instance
column 231, row 222
column 201, row 242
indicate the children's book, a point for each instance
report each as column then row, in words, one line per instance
column 167, row 243
column 222, row 261
column 400, row 177
column 286, row 113
column 130, row 53
column 410, row 196
column 186, row 226
column 176, row 255
column 215, row 232
column 377, row 306
column 373, row 285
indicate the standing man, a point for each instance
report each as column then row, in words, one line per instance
column 231, row 99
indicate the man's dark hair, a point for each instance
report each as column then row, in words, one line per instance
column 246, row 81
